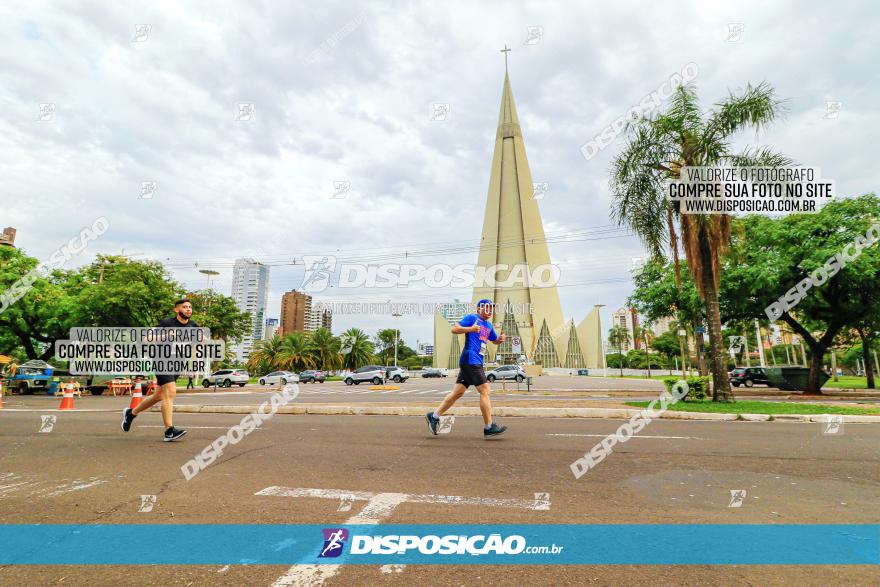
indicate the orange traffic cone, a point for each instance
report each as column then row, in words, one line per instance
column 67, row 400
column 136, row 396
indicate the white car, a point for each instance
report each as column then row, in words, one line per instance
column 279, row 377
column 506, row 372
column 374, row 374
column 227, row 378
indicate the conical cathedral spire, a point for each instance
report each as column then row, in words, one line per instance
column 513, row 235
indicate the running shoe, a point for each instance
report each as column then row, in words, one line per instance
column 433, row 423
column 493, row 430
column 127, row 418
column 173, row 434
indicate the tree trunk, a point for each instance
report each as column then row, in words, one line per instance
column 720, row 382
column 817, row 353
column 866, row 359
column 673, row 243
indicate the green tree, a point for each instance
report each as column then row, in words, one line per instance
column 667, row 345
column 294, row 353
column 324, row 350
column 111, row 291
column 771, row 256
column 221, row 314
column 618, row 337
column 356, row 348
column 264, row 355
column 658, row 147
column 385, row 346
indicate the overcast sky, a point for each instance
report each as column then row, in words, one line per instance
column 343, row 92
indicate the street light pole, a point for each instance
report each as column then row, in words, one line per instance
column 396, row 336
column 601, row 338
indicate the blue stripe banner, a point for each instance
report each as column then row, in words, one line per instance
column 566, row 544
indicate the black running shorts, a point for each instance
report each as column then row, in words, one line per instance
column 163, row 379
column 471, row 375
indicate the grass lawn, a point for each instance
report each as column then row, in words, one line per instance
column 753, row 407
column 848, row 382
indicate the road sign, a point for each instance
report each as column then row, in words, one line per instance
column 516, row 345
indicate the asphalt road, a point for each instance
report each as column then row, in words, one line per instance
column 87, row 471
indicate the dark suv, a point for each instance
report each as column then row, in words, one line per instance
column 748, row 376
column 311, row 377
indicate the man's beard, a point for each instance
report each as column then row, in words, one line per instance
column 183, row 317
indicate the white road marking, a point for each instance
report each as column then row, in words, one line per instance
column 429, row 391
column 633, row 436
column 76, row 485
column 379, row 507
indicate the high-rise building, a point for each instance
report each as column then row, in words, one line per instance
column 662, row 325
column 296, row 312
column 271, row 328
column 513, row 238
column 300, row 313
column 7, row 237
column 320, row 317
column 628, row 319
column 250, row 290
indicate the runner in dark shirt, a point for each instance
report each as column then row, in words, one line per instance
column 167, row 383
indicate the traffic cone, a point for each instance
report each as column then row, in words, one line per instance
column 67, row 400
column 151, row 388
column 136, row 396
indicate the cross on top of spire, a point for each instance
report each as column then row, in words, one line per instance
column 506, row 50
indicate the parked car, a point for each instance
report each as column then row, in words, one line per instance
column 312, row 376
column 281, row 377
column 372, row 373
column 506, row 372
column 396, row 374
column 434, row 372
column 227, row 378
column 748, row 376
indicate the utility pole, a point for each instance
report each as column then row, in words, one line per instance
column 746, row 343
column 760, row 343
column 396, row 336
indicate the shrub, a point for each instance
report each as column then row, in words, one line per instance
column 698, row 387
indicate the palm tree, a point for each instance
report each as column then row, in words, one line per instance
column 658, row 147
column 618, row 336
column 264, row 355
column 356, row 348
column 324, row 349
column 294, row 353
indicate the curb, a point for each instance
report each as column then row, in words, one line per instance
column 515, row 412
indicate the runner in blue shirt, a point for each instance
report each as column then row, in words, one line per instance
column 478, row 333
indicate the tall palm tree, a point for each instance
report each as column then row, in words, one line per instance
column 324, row 348
column 356, row 348
column 618, row 336
column 264, row 355
column 294, row 353
column 658, row 147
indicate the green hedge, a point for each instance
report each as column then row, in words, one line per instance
column 698, row 387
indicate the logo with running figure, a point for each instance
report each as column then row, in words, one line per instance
column 334, row 540
column 318, row 269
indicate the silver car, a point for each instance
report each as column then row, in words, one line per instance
column 374, row 374
column 227, row 378
column 506, row 372
column 279, row 377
